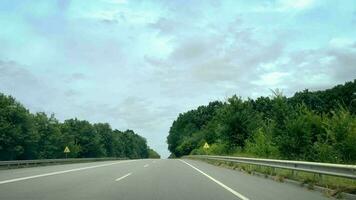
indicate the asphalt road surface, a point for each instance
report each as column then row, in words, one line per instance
column 145, row 179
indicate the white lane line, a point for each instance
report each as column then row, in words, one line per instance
column 218, row 182
column 60, row 172
column 122, row 177
column 146, row 165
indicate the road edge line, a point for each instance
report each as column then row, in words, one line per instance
column 242, row 197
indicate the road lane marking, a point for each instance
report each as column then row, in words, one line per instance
column 60, row 172
column 146, row 165
column 218, row 182
column 122, row 177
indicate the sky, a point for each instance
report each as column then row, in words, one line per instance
column 138, row 64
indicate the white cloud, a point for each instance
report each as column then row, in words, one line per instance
column 271, row 79
column 284, row 6
column 295, row 4
column 340, row 42
column 107, row 15
column 117, row 1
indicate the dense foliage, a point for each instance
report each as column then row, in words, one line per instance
column 314, row 126
column 153, row 154
column 24, row 135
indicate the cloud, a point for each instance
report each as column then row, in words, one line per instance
column 220, row 58
column 233, row 58
column 166, row 26
column 342, row 62
column 271, row 79
column 13, row 75
column 295, row 4
column 284, row 6
column 192, row 49
column 18, row 81
column 63, row 4
column 341, row 42
column 314, row 69
column 78, row 76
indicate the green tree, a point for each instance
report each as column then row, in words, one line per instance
column 311, row 125
column 50, row 136
column 237, row 120
column 18, row 137
column 153, row 154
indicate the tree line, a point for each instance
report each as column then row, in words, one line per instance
column 312, row 126
column 24, row 135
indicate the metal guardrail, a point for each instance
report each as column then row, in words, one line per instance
column 18, row 163
column 346, row 171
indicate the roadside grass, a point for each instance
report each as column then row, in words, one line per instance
column 336, row 185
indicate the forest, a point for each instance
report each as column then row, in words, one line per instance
column 24, row 135
column 310, row 125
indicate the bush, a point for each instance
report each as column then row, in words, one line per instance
column 341, row 134
column 261, row 144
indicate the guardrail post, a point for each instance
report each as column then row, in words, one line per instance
column 259, row 169
column 321, row 178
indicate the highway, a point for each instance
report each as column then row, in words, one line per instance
column 146, row 179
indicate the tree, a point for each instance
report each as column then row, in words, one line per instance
column 237, row 120
column 50, row 136
column 314, row 126
column 36, row 136
column 18, row 137
column 153, row 154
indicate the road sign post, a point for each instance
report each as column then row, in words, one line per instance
column 66, row 151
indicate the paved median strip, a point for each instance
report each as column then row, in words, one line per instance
column 61, row 172
column 122, row 177
column 217, row 182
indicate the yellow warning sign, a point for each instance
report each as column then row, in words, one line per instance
column 66, row 150
column 206, row 146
